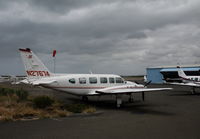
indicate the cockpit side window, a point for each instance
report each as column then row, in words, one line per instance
column 93, row 80
column 82, row 80
column 119, row 80
column 103, row 80
column 72, row 80
column 111, row 80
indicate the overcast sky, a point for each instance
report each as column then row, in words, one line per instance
column 103, row 36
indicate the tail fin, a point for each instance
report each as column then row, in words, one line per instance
column 181, row 73
column 33, row 65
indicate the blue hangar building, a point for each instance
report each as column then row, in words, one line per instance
column 170, row 73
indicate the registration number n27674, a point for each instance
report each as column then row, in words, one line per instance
column 38, row 73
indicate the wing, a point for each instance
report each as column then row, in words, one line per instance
column 187, row 84
column 127, row 90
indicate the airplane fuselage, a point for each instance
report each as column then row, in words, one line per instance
column 79, row 84
column 195, row 79
column 86, row 84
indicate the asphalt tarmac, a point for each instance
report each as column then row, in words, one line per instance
column 163, row 115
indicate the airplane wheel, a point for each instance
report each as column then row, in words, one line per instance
column 193, row 90
column 130, row 100
column 84, row 98
column 118, row 100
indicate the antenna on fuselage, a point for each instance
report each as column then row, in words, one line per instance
column 91, row 72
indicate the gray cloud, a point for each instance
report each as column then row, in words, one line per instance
column 106, row 36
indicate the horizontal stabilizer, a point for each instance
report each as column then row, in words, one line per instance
column 25, row 81
column 43, row 82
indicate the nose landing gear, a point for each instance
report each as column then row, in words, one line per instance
column 119, row 100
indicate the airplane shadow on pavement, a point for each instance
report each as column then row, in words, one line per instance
column 184, row 93
column 136, row 107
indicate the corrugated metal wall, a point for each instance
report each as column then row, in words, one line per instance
column 154, row 75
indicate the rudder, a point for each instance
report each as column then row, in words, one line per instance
column 181, row 73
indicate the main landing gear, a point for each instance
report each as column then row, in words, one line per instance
column 130, row 100
column 193, row 90
column 85, row 98
column 119, row 99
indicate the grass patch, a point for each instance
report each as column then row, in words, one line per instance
column 42, row 101
column 79, row 108
column 16, row 104
column 89, row 110
column 22, row 95
column 6, row 91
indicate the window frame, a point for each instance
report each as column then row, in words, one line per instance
column 122, row 81
column 102, row 82
column 82, row 80
column 92, row 82
column 113, row 79
column 72, row 82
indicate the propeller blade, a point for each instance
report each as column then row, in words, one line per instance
column 147, row 83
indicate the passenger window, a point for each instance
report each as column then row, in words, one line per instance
column 93, row 80
column 111, row 80
column 103, row 80
column 82, row 80
column 73, row 81
column 119, row 80
column 196, row 79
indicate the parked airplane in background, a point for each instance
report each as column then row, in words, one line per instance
column 79, row 84
column 193, row 81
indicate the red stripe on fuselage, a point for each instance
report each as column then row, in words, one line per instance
column 81, row 87
column 187, row 79
column 71, row 87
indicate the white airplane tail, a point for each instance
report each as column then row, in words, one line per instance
column 181, row 73
column 34, row 67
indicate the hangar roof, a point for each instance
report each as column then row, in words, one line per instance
column 183, row 66
column 176, row 69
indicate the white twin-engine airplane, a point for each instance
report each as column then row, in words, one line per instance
column 193, row 81
column 79, row 84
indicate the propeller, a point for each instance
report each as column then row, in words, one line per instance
column 136, row 82
column 147, row 83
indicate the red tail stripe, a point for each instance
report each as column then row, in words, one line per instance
column 25, row 50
